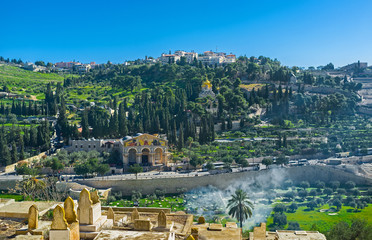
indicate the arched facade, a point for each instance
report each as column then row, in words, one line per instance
column 149, row 150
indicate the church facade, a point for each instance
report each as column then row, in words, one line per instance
column 144, row 149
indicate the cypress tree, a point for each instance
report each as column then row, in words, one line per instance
column 14, row 155
column 22, row 150
column 180, row 138
column 123, row 129
column 85, row 125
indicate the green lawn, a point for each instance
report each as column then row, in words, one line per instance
column 323, row 220
column 177, row 203
column 12, row 196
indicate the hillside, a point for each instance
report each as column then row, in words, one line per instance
column 25, row 82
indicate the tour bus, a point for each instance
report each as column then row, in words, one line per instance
column 217, row 166
column 293, row 163
column 302, row 162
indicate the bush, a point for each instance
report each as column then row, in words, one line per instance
column 280, row 219
column 304, row 184
column 350, row 185
column 290, row 195
column 293, row 226
column 280, row 208
column 293, row 207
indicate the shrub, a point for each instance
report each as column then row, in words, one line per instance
column 280, row 208
column 280, row 219
column 293, row 226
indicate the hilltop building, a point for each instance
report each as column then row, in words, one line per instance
column 144, row 149
column 173, row 58
column 208, row 58
column 356, row 65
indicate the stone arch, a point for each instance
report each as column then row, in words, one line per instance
column 145, row 156
column 158, row 156
column 132, row 156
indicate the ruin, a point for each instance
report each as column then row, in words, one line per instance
column 260, row 233
column 93, row 221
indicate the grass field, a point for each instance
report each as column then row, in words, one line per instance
column 26, row 82
column 323, row 220
column 177, row 203
column 12, row 196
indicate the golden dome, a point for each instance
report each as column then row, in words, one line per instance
column 207, row 84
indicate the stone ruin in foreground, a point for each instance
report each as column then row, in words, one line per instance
column 87, row 219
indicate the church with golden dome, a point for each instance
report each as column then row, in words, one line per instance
column 206, row 89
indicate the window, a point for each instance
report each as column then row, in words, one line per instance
column 75, row 146
column 81, row 146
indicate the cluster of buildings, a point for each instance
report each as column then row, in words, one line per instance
column 61, row 66
column 208, row 57
column 143, row 149
column 77, row 66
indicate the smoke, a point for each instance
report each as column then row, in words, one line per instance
column 211, row 202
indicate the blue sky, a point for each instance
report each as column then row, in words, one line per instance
column 301, row 32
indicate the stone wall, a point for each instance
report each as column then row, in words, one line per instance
column 222, row 181
column 11, row 168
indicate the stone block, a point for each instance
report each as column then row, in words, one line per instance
column 201, row 220
column 59, row 220
column 231, row 225
column 59, row 234
column 215, row 227
column 162, row 220
column 70, row 213
column 29, row 237
column 33, row 217
column 142, row 225
column 135, row 215
column 110, row 213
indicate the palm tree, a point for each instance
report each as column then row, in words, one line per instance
column 239, row 206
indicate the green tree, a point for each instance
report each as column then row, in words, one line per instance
column 135, row 168
column 337, row 203
column 240, row 206
column 267, row 162
column 279, row 208
column 312, row 204
column 13, row 153
column 358, row 229
column 102, row 169
column 280, row 219
column 56, row 165
column 293, row 207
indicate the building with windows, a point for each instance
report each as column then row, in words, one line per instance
column 173, row 58
column 144, row 149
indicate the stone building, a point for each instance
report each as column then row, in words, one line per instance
column 144, row 149
column 260, row 233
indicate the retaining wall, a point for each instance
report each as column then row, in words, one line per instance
column 223, row 181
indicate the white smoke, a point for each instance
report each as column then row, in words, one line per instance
column 211, row 202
